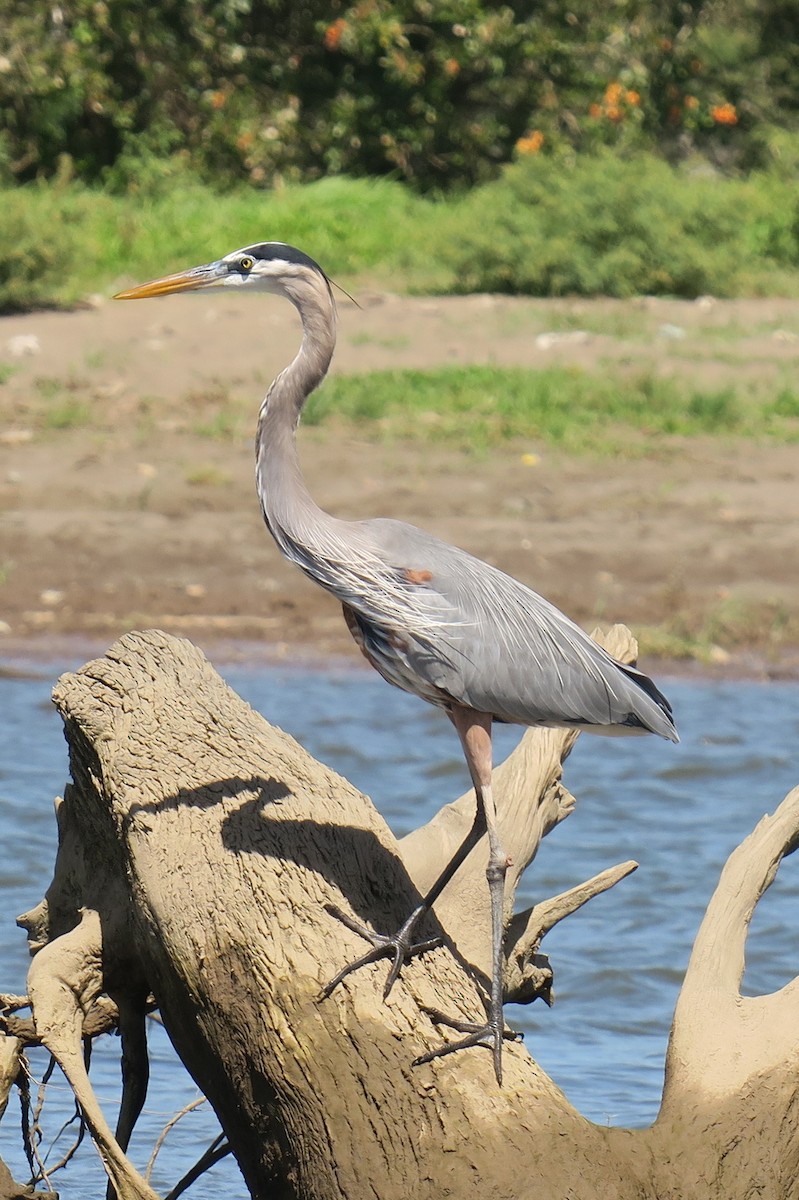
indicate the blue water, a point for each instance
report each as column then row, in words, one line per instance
column 678, row 811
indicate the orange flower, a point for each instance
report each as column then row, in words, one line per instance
column 595, row 111
column 218, row 99
column 691, row 103
column 530, row 144
column 452, row 67
column 333, row 33
column 613, row 112
column 633, row 98
column 724, row 114
column 613, row 93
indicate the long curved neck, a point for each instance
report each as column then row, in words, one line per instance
column 285, row 500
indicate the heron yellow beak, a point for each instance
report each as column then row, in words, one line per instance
column 182, row 281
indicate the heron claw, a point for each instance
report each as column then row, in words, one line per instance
column 491, row 1035
column 399, row 947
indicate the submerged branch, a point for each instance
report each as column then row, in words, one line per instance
column 526, row 975
column 101, row 1018
column 711, row 1015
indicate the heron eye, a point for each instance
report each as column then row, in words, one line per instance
column 246, row 264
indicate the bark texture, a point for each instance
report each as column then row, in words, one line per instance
column 199, row 848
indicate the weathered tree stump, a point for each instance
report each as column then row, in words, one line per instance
column 199, row 850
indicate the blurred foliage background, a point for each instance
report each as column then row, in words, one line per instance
column 621, row 147
column 436, row 94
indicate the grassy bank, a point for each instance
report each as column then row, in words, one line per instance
column 579, row 411
column 60, row 243
column 599, row 224
column 641, row 471
column 595, row 412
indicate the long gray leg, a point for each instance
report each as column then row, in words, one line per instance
column 474, row 729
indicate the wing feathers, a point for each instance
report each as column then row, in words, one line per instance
column 442, row 624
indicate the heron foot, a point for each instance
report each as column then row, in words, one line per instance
column 491, row 1035
column 398, row 946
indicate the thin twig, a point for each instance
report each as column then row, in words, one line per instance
column 528, row 974
column 33, row 1130
column 10, row 1003
column 24, row 1086
column 101, row 1018
column 72, row 1151
column 37, row 1112
column 165, row 1131
column 218, row 1150
column 532, row 925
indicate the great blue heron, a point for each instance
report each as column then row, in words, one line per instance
column 429, row 617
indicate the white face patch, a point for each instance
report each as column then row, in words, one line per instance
column 237, row 279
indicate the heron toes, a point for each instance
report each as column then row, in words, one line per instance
column 398, row 946
column 490, row 1034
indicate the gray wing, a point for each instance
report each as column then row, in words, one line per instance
column 483, row 639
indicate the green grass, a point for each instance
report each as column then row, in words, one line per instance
column 599, row 225
column 731, row 621
column 206, row 475
column 625, row 322
column 580, row 411
column 219, row 414
column 106, row 240
column 609, row 410
column 62, row 404
column 224, row 425
column 398, row 342
column 70, row 413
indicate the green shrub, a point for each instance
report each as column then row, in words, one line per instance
column 35, row 253
column 597, row 224
column 606, row 225
column 267, row 91
column 59, row 243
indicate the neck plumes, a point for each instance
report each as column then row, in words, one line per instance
column 285, row 499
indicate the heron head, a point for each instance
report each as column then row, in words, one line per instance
column 266, row 267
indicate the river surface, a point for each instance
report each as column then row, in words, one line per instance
column 677, row 810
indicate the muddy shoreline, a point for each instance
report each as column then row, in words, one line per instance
column 126, row 503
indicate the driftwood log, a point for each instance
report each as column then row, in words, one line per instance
column 199, row 849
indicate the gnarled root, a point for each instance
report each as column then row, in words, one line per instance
column 64, row 980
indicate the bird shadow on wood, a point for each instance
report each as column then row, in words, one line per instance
column 265, row 791
column 370, row 876
column 354, row 860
